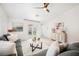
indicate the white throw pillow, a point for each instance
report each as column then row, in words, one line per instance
column 13, row 37
column 54, row 49
column 7, row 48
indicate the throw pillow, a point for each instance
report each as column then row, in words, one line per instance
column 54, row 49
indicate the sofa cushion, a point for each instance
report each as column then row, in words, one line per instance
column 7, row 48
column 11, row 55
column 42, row 53
column 2, row 38
column 54, row 49
column 74, row 46
column 70, row 53
column 19, row 48
column 12, row 37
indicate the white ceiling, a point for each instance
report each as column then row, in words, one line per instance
column 27, row 10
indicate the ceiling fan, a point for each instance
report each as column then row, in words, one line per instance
column 44, row 7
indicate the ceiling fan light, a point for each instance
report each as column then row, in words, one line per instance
column 44, row 9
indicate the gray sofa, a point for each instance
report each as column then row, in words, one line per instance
column 71, row 50
column 42, row 53
column 19, row 48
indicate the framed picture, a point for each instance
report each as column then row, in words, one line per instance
column 30, row 29
column 17, row 26
column 18, row 29
column 34, row 31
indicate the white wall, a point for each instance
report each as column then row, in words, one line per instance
column 3, row 21
column 71, row 22
column 24, row 35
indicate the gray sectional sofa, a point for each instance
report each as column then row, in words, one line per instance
column 19, row 48
column 71, row 50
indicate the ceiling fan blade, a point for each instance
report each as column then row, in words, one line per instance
column 39, row 7
column 46, row 5
column 47, row 10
